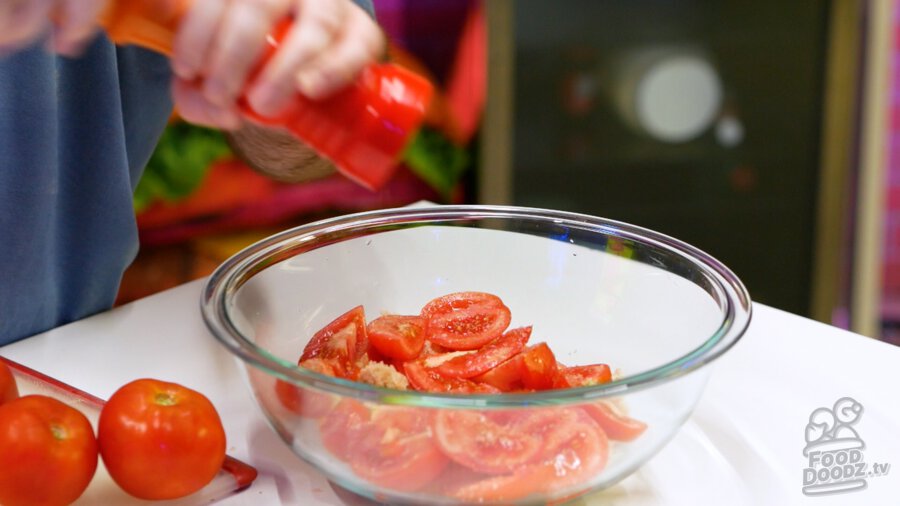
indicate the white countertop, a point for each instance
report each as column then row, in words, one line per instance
column 743, row 445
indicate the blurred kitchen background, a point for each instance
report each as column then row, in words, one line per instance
column 762, row 132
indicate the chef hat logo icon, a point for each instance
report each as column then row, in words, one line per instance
column 831, row 429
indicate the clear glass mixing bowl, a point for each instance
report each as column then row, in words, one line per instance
column 659, row 311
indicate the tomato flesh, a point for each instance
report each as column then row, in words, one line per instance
column 303, row 401
column 571, row 464
column 425, row 379
column 465, row 320
column 397, row 336
column 399, row 452
column 507, row 377
column 488, row 357
column 344, row 341
column 486, row 442
column 344, row 426
column 538, row 367
column 616, row 425
column 48, row 452
column 390, row 447
column 582, row 376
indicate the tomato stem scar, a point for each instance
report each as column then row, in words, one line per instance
column 164, row 399
column 58, row 431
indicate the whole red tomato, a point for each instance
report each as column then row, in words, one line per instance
column 160, row 440
column 48, row 452
column 8, row 389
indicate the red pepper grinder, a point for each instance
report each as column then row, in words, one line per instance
column 363, row 129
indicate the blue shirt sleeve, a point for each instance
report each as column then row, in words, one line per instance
column 75, row 135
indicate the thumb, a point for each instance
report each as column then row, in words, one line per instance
column 76, row 24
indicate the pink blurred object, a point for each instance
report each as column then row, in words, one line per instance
column 891, row 258
column 430, row 29
column 286, row 201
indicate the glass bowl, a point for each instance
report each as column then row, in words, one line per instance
column 656, row 310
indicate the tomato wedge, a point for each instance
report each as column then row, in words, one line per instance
column 506, row 377
column 344, row 341
column 615, row 424
column 485, row 441
column 344, row 427
column 397, row 336
column 425, row 379
column 465, row 320
column 572, row 463
column 488, row 357
column 538, row 367
column 582, row 376
column 535, row 368
column 398, row 452
column 306, row 402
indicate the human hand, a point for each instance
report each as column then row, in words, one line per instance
column 71, row 23
column 220, row 41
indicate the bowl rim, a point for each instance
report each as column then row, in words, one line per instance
column 240, row 267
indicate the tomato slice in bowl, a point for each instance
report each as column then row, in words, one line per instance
column 488, row 357
column 465, row 320
column 506, row 377
column 397, row 336
column 485, row 441
column 582, row 376
column 306, row 402
column 538, row 367
column 348, row 423
column 572, row 463
column 533, row 369
column 615, row 424
column 344, row 341
column 399, row 453
column 426, row 379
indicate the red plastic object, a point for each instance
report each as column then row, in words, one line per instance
column 363, row 128
column 233, row 477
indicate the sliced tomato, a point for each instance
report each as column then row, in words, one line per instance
column 615, row 424
column 304, row 401
column 574, row 462
column 538, row 367
column 533, row 369
column 344, row 341
column 488, row 357
column 465, row 320
column 348, row 423
column 459, row 300
column 582, row 376
column 485, row 441
column 430, row 349
column 425, row 379
column 399, row 452
column 397, row 336
column 506, row 377
column 454, row 477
